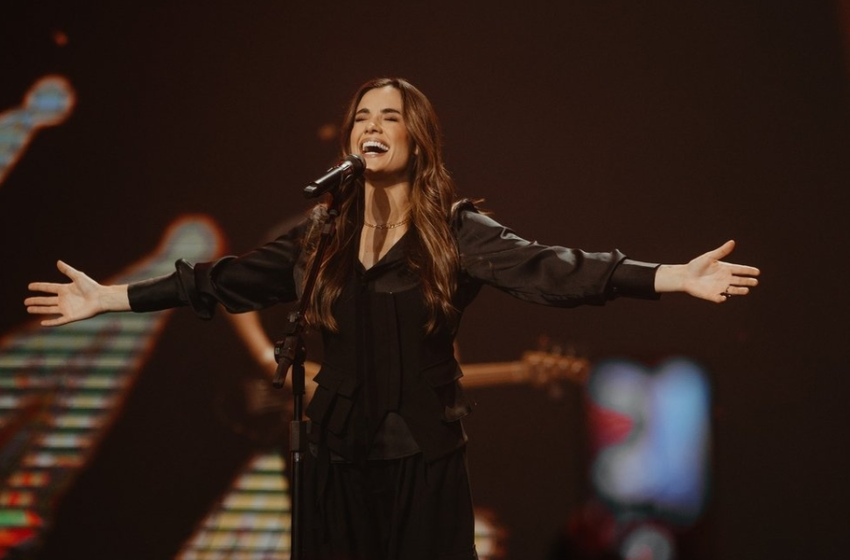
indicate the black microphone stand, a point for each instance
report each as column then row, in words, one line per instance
column 291, row 351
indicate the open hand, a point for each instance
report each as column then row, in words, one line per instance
column 709, row 277
column 80, row 299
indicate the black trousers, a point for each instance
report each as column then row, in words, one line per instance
column 399, row 509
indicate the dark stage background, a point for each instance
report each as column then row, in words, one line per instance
column 659, row 128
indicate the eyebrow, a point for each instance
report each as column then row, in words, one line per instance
column 383, row 111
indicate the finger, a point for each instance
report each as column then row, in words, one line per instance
column 734, row 290
column 722, row 251
column 749, row 271
column 742, row 270
column 43, row 310
column 745, row 281
column 40, row 301
column 67, row 269
column 47, row 287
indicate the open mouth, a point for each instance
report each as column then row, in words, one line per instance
column 374, row 147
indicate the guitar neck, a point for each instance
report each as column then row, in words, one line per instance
column 494, row 373
column 537, row 368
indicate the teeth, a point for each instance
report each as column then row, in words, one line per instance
column 374, row 146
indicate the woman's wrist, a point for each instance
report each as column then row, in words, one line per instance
column 114, row 298
column 670, row 278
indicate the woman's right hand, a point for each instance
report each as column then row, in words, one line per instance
column 80, row 299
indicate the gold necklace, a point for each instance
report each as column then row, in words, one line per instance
column 386, row 226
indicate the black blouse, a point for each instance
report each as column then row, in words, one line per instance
column 386, row 388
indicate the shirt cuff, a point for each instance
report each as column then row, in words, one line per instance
column 634, row 279
column 154, row 294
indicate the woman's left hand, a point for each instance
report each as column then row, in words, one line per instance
column 708, row 276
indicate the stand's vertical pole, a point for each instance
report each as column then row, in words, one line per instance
column 291, row 351
column 297, row 446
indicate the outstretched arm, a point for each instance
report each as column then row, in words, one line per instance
column 80, row 299
column 708, row 276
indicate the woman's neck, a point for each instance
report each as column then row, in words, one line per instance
column 386, row 204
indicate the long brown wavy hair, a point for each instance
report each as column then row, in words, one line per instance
column 433, row 250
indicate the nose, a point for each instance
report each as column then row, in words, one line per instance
column 372, row 126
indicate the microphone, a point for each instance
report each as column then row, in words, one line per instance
column 346, row 170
